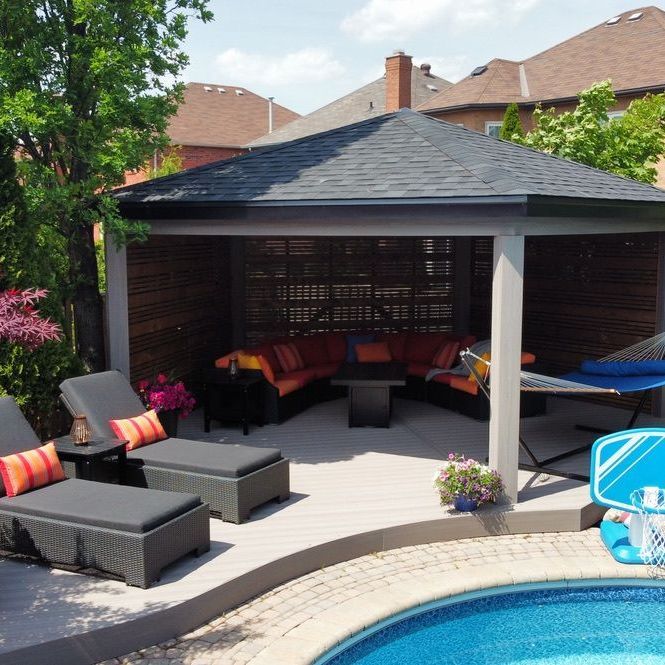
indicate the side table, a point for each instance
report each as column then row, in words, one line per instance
column 86, row 458
column 232, row 400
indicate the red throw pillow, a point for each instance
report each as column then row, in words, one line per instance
column 373, row 352
column 446, row 355
column 30, row 469
column 139, row 431
column 289, row 357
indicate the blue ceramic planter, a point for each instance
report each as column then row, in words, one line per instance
column 464, row 504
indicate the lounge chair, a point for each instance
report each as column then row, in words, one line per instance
column 126, row 531
column 232, row 478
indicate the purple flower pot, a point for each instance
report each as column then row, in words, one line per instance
column 464, row 504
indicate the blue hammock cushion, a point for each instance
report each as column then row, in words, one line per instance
column 624, row 368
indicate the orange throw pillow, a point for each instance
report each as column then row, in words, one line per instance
column 289, row 357
column 481, row 367
column 373, row 352
column 445, row 356
column 30, row 469
column 139, row 431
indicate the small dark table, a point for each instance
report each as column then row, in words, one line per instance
column 87, row 457
column 232, row 400
column 370, row 394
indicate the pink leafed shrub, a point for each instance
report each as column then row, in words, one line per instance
column 164, row 394
column 20, row 321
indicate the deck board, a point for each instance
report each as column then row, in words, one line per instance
column 344, row 482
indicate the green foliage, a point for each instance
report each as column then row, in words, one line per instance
column 86, row 90
column 101, row 265
column 29, row 257
column 171, row 163
column 629, row 146
column 511, row 128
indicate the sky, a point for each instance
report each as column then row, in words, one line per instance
column 307, row 53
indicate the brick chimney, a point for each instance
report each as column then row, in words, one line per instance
column 398, row 81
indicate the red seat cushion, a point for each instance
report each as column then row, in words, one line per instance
column 463, row 384
column 313, row 349
column 291, row 381
column 418, row 369
column 396, row 343
column 421, row 347
column 447, row 354
column 325, row 371
column 336, row 345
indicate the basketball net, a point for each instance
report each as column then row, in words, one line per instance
column 648, row 530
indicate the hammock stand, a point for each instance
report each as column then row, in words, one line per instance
column 530, row 382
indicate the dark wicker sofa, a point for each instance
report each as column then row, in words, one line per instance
column 232, row 478
column 130, row 532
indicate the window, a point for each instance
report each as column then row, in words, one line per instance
column 493, row 127
column 614, row 115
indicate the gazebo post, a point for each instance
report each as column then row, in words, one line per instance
column 117, row 308
column 507, row 287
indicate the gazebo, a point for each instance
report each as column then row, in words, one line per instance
column 401, row 175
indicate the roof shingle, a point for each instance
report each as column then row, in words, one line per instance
column 630, row 53
column 397, row 156
column 212, row 118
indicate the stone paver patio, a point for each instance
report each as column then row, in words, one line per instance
column 297, row 621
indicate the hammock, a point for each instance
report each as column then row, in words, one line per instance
column 530, row 382
column 649, row 349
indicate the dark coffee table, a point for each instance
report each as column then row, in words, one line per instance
column 232, row 399
column 87, row 457
column 370, row 391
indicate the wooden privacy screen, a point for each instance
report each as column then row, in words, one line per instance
column 179, row 301
column 584, row 296
column 302, row 285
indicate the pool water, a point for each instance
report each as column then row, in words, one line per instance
column 617, row 625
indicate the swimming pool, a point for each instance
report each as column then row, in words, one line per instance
column 611, row 622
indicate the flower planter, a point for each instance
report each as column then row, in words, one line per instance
column 464, row 504
column 169, row 420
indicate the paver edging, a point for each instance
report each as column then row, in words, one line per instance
column 312, row 638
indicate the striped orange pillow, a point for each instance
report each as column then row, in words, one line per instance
column 289, row 357
column 30, row 469
column 139, row 431
column 446, row 355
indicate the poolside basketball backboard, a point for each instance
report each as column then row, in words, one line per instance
column 624, row 462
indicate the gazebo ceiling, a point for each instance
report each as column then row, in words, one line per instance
column 399, row 162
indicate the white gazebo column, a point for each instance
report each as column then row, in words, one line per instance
column 507, row 287
column 117, row 311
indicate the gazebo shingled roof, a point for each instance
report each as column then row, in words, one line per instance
column 397, row 156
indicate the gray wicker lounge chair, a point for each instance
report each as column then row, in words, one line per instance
column 126, row 531
column 233, row 479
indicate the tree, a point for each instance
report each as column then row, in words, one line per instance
column 629, row 146
column 511, row 127
column 86, row 90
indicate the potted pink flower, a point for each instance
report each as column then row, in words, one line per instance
column 466, row 483
column 169, row 398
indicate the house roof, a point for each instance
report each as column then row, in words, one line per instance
column 211, row 118
column 630, row 53
column 361, row 104
column 394, row 158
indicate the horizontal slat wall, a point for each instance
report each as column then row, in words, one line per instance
column 179, row 298
column 584, row 297
column 302, row 285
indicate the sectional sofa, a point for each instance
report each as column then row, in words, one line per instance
column 288, row 393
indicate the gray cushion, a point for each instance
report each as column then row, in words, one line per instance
column 16, row 435
column 130, row 509
column 215, row 459
column 101, row 397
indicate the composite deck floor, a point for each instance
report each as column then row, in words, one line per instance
column 344, row 482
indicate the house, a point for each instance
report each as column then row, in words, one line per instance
column 628, row 48
column 402, row 86
column 216, row 121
